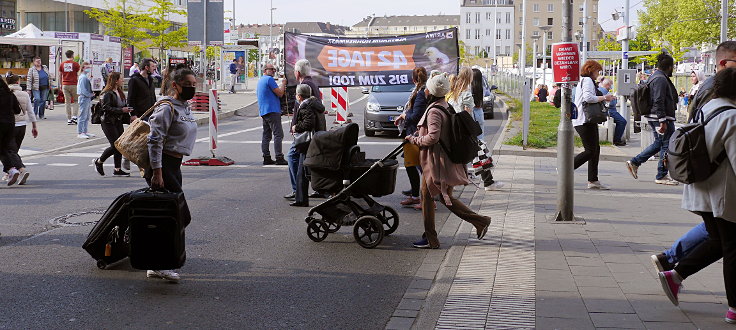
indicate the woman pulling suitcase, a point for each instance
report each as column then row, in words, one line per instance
column 173, row 133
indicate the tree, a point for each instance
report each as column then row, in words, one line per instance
column 163, row 33
column 122, row 20
column 609, row 43
column 676, row 24
column 529, row 56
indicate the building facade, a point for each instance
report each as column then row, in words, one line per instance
column 487, row 27
column 375, row 26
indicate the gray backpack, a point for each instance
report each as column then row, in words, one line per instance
column 687, row 155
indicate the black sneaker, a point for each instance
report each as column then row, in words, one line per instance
column 317, row 195
column 120, row 173
column 268, row 161
column 98, row 166
column 281, row 161
column 423, row 244
column 292, row 195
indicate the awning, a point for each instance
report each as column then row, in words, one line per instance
column 30, row 41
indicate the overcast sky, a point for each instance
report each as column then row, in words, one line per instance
column 350, row 12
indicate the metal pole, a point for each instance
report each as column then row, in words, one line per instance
column 270, row 31
column 534, row 65
column 724, row 20
column 565, row 169
column 584, row 56
column 625, row 65
column 544, row 58
column 66, row 16
column 525, row 92
column 495, row 31
column 203, row 67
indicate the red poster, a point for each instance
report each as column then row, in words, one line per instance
column 127, row 58
column 566, row 62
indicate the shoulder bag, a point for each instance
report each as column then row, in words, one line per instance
column 594, row 112
column 133, row 143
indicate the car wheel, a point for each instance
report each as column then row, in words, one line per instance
column 370, row 133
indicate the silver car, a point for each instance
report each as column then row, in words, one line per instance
column 385, row 103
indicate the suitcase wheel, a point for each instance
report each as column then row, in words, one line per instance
column 101, row 264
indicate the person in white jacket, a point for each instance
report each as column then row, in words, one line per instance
column 587, row 92
column 21, row 121
column 714, row 199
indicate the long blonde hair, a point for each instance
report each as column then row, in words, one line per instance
column 460, row 83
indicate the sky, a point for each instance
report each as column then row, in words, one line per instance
column 350, row 12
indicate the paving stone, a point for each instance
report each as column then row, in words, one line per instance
column 399, row 323
column 563, row 323
column 616, row 320
column 411, row 304
column 585, row 261
column 656, row 308
column 590, row 271
column 406, row 313
column 416, row 293
column 605, row 300
column 595, row 281
column 669, row 325
column 560, row 304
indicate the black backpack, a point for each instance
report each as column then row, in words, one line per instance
column 687, row 155
column 96, row 115
column 462, row 146
column 641, row 101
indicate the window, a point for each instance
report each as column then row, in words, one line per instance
column 551, row 8
column 498, row 34
column 488, row 32
column 488, row 16
column 581, row 7
column 508, row 18
column 498, row 20
column 477, row 18
column 508, row 50
column 508, row 34
column 549, row 35
column 535, row 21
column 498, row 49
column 535, row 7
column 535, row 34
column 477, row 50
column 581, row 21
column 550, row 21
column 467, row 17
column 467, row 34
column 477, row 34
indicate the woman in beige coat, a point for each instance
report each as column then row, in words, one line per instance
column 440, row 174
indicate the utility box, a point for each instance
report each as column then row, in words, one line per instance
column 626, row 82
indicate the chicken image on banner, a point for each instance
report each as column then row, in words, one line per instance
column 438, row 60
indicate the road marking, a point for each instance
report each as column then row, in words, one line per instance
column 376, row 143
column 205, row 139
column 78, row 154
column 62, row 164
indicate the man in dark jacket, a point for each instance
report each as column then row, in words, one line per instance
column 141, row 90
column 310, row 117
column 663, row 96
column 234, row 72
column 302, row 71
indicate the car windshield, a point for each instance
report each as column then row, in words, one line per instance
column 392, row 88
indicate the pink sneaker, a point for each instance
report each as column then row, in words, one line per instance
column 670, row 286
column 730, row 317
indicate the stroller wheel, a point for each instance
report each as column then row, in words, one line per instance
column 368, row 231
column 317, row 230
column 390, row 219
column 333, row 227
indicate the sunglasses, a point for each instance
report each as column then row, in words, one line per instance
column 723, row 62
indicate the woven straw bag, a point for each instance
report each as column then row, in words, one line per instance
column 133, row 143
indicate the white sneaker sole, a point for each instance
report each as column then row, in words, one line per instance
column 23, row 178
column 656, row 263
column 666, row 289
column 156, row 275
column 632, row 170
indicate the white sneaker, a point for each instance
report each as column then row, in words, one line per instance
column 13, row 175
column 5, row 177
column 90, row 134
column 666, row 181
column 598, row 185
column 23, row 178
column 83, row 136
column 496, row 185
column 169, row 275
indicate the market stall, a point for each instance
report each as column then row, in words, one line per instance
column 18, row 50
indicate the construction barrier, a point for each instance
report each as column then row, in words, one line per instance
column 340, row 104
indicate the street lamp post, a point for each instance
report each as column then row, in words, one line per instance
column 526, row 88
column 565, row 170
column 534, row 63
column 545, row 29
column 270, row 29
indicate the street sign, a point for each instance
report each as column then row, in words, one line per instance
column 626, row 82
column 565, row 62
column 626, row 55
column 196, row 21
column 622, row 33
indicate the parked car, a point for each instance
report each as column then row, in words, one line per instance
column 385, row 103
column 489, row 99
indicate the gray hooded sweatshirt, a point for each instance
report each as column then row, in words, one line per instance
column 175, row 134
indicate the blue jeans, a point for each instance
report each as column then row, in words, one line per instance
column 660, row 144
column 39, row 102
column 85, row 106
column 292, row 157
column 620, row 122
column 687, row 243
column 478, row 116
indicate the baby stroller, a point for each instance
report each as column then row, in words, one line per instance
column 339, row 168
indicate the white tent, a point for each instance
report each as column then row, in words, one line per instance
column 30, row 31
column 29, row 35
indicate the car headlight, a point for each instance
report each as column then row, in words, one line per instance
column 373, row 107
column 488, row 98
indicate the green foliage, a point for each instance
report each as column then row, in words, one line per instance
column 529, row 56
column 122, row 20
column 163, row 34
column 609, row 43
column 675, row 24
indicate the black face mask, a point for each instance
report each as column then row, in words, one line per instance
column 187, row 93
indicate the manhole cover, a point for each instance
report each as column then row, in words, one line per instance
column 77, row 219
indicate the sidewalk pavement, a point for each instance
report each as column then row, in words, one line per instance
column 532, row 272
column 55, row 135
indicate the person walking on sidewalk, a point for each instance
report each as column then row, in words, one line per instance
column 587, row 92
column 234, row 72
column 484, row 162
column 714, row 198
column 172, row 137
column 21, row 121
column 84, row 90
column 141, row 90
column 303, row 74
column 9, row 107
column 440, row 174
column 310, row 117
column 114, row 110
column 69, row 73
column 618, row 119
column 662, row 120
column 269, row 107
column 38, row 81
column 414, row 111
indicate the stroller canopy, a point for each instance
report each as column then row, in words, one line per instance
column 328, row 150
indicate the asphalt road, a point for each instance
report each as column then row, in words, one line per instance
column 250, row 263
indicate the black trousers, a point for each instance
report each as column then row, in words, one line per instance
column 9, row 146
column 487, row 177
column 721, row 242
column 589, row 134
column 414, row 180
column 113, row 130
column 302, row 181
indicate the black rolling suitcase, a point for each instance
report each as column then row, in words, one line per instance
column 156, row 223
column 107, row 242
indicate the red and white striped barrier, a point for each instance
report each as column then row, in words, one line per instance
column 340, row 104
column 213, row 106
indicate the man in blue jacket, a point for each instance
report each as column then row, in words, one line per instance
column 662, row 119
column 234, row 73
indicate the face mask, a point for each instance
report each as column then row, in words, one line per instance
column 187, row 93
column 87, row 70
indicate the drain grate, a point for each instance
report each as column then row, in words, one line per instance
column 77, row 219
